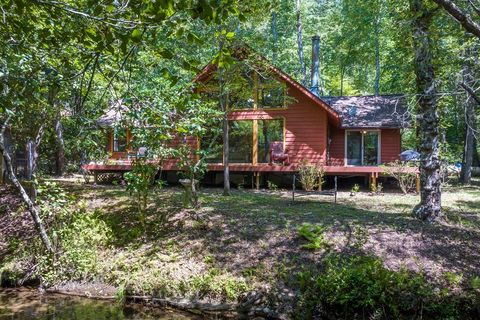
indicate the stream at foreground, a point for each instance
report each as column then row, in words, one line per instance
column 30, row 304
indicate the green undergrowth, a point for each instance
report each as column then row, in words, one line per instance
column 360, row 287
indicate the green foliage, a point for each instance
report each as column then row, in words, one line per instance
column 357, row 285
column 215, row 284
column 311, row 176
column 402, row 172
column 139, row 182
column 355, row 188
column 272, row 186
column 78, row 239
column 315, row 235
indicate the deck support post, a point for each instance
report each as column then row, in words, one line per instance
column 417, row 183
column 374, row 180
column 95, row 177
column 257, row 180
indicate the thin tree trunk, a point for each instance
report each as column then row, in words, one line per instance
column 377, row 57
column 274, row 37
column 226, row 158
column 60, row 159
column 301, row 58
column 26, row 199
column 429, row 208
column 470, row 116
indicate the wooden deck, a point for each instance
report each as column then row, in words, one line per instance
column 329, row 170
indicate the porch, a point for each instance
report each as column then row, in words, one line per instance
column 371, row 172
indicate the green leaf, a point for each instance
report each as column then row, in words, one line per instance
column 230, row 35
column 136, row 35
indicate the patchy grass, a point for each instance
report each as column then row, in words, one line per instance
column 251, row 241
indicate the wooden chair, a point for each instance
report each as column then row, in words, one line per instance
column 277, row 153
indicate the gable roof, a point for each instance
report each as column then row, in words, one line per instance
column 210, row 68
column 388, row 111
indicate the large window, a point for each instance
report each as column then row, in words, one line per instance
column 212, row 144
column 241, row 141
column 362, row 148
column 268, row 131
column 119, row 140
column 271, row 93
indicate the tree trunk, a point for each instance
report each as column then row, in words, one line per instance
column 301, row 58
column 429, row 208
column 377, row 57
column 470, row 116
column 60, row 159
column 226, row 158
column 274, row 37
column 26, row 199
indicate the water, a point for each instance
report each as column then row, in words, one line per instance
column 25, row 304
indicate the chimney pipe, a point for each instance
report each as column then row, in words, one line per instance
column 315, row 87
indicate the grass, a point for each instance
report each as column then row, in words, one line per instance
column 251, row 239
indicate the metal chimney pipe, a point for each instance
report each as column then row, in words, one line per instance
column 315, row 87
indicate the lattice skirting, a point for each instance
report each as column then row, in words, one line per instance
column 108, row 177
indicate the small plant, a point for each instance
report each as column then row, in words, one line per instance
column 315, row 235
column 272, row 186
column 355, row 189
column 376, row 188
column 311, row 176
column 403, row 173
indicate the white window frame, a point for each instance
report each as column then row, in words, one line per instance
column 363, row 132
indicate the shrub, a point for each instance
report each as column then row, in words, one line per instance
column 311, row 176
column 77, row 239
column 139, row 180
column 401, row 171
column 361, row 287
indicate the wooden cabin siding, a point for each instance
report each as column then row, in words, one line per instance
column 305, row 127
column 390, row 145
column 337, row 147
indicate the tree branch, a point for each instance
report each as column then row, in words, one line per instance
column 474, row 7
column 471, row 92
column 463, row 18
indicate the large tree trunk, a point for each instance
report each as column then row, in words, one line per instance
column 429, row 208
column 301, row 58
column 470, row 117
column 60, row 158
column 26, row 199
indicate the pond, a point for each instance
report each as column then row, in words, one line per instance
column 30, row 304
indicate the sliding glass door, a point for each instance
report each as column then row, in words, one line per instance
column 362, row 148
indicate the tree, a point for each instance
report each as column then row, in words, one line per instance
column 468, row 81
column 429, row 208
column 301, row 58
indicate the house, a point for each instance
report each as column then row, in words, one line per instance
column 347, row 135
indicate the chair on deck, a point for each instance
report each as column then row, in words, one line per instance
column 277, row 153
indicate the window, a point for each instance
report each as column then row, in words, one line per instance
column 362, row 148
column 119, row 140
column 241, row 141
column 268, row 131
column 271, row 93
column 214, row 148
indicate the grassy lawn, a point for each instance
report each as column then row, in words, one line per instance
column 250, row 240
column 253, row 235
